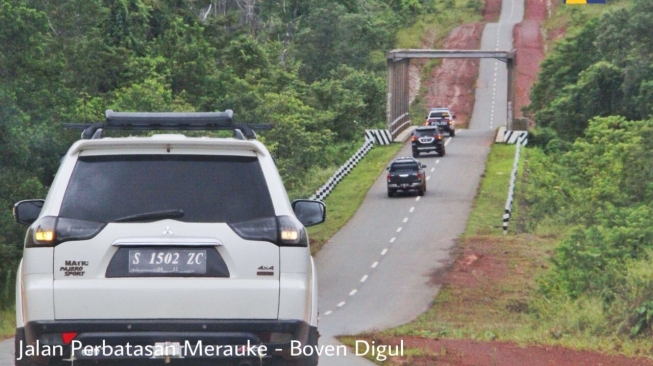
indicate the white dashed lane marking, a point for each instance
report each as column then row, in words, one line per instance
column 364, row 278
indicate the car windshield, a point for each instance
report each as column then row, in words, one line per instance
column 396, row 167
column 207, row 188
column 426, row 132
column 439, row 115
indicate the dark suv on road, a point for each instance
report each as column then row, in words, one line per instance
column 406, row 174
column 427, row 139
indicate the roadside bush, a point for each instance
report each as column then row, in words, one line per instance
column 598, row 193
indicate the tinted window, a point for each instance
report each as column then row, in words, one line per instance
column 429, row 132
column 403, row 166
column 208, row 188
column 439, row 115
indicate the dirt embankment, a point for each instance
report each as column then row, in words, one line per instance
column 452, row 83
column 529, row 42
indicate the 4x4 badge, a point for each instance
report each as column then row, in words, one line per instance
column 167, row 231
column 265, row 271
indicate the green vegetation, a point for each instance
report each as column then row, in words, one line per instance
column 576, row 269
column 485, row 218
column 431, row 29
column 589, row 185
column 7, row 322
column 315, row 69
column 601, row 69
column 577, row 272
column 571, row 18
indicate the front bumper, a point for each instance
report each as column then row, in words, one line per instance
column 139, row 339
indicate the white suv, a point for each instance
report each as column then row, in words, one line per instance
column 166, row 249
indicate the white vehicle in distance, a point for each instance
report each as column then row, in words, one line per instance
column 443, row 118
column 166, row 249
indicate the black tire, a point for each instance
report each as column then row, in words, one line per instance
column 415, row 154
column 420, row 192
column 19, row 339
column 452, row 133
column 311, row 360
column 442, row 152
column 390, row 193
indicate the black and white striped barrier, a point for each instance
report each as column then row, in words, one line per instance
column 342, row 172
column 513, row 178
column 516, row 137
column 379, row 137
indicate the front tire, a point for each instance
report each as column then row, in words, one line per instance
column 452, row 133
column 390, row 193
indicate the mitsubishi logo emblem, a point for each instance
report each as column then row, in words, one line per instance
column 167, row 231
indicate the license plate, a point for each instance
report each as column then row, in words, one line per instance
column 146, row 261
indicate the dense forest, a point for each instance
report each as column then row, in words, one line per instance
column 315, row 69
column 589, row 180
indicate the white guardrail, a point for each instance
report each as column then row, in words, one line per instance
column 519, row 138
column 372, row 137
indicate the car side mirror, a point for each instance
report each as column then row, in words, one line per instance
column 387, row 168
column 27, row 211
column 453, row 116
column 423, row 166
column 309, row 212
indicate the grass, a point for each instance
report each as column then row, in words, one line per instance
column 345, row 199
column 486, row 216
column 491, row 303
column 7, row 323
column 496, row 297
column 431, row 29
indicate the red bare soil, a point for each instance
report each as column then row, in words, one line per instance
column 529, row 43
column 452, row 83
column 492, row 10
column 481, row 266
column 472, row 353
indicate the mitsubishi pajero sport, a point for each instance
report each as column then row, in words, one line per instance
column 165, row 249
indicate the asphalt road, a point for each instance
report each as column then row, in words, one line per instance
column 375, row 272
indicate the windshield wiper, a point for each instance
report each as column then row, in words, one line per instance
column 154, row 215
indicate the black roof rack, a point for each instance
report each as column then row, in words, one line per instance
column 171, row 121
